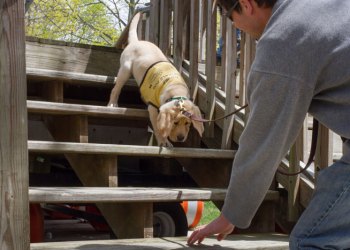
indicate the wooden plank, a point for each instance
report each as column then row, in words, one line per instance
column 293, row 183
column 131, row 150
column 242, row 70
column 54, row 108
column 53, row 91
column 220, row 96
column 324, row 150
column 194, row 40
column 210, row 67
column 229, row 64
column 74, row 77
column 264, row 220
column 306, row 186
column 179, row 16
column 238, row 123
column 202, row 28
column 54, row 55
column 129, row 219
column 128, row 194
column 154, row 22
column 14, row 209
column 164, row 26
column 186, row 30
column 238, row 242
column 120, row 194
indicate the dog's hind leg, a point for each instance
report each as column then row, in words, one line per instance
column 124, row 74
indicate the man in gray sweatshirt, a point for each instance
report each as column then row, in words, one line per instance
column 302, row 65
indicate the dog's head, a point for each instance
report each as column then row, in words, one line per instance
column 174, row 125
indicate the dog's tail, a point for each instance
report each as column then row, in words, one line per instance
column 133, row 28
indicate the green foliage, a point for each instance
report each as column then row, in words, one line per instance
column 210, row 213
column 80, row 21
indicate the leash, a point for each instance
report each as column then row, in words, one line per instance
column 199, row 119
column 312, row 151
column 179, row 104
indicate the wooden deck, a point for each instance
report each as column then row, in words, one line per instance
column 252, row 242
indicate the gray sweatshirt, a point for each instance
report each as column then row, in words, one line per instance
column 302, row 65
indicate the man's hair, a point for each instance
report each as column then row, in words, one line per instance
column 225, row 5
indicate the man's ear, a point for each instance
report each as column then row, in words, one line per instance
column 248, row 6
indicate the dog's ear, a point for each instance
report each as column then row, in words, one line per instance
column 165, row 121
column 196, row 124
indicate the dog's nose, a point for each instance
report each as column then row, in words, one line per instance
column 180, row 138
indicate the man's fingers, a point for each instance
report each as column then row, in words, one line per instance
column 200, row 240
column 193, row 238
column 221, row 237
column 197, row 236
column 220, row 226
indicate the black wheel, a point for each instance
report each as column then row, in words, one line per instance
column 169, row 220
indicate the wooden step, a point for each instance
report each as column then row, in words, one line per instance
column 47, row 75
column 74, row 57
column 238, row 242
column 128, row 194
column 130, row 150
column 120, row 194
column 55, row 108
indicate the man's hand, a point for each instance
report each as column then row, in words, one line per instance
column 220, row 226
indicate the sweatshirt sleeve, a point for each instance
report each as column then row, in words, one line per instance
column 278, row 106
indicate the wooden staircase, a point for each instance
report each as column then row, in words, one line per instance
column 68, row 118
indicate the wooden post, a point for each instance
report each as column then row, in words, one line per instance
column 210, row 68
column 154, row 22
column 229, row 63
column 324, row 150
column 194, row 40
column 293, row 183
column 14, row 206
column 179, row 16
column 164, row 26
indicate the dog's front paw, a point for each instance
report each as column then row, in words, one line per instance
column 115, row 105
column 166, row 143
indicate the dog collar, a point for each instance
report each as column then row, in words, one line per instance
column 179, row 98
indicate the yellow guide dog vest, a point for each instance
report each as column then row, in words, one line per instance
column 156, row 78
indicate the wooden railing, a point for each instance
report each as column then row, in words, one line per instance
column 190, row 35
column 188, row 32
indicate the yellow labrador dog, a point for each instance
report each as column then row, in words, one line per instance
column 162, row 89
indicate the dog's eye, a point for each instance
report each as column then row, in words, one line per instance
column 176, row 123
column 187, row 123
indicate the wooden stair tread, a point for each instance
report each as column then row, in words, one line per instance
column 131, row 150
column 90, row 110
column 127, row 194
column 37, row 74
column 238, row 242
column 121, row 194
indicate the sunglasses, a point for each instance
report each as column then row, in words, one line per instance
column 229, row 12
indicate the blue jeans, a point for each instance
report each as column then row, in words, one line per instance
column 325, row 224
